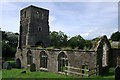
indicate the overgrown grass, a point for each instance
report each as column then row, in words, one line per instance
column 16, row 73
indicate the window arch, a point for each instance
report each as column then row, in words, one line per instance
column 62, row 62
column 18, row 63
column 43, row 59
column 29, row 57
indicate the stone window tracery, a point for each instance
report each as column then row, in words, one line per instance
column 62, row 62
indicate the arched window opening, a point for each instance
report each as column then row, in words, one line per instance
column 29, row 57
column 18, row 63
column 43, row 59
column 62, row 62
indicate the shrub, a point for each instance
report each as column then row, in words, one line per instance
column 12, row 63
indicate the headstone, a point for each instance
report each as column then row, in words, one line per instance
column 9, row 67
column 117, row 73
column 6, row 65
column 32, row 67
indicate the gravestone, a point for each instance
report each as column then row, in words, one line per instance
column 32, row 67
column 117, row 73
column 9, row 67
column 6, row 65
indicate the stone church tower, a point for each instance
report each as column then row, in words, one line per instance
column 34, row 27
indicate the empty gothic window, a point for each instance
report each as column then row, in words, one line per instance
column 62, row 62
column 18, row 63
column 43, row 59
column 29, row 57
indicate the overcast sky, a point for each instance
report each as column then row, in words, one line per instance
column 89, row 19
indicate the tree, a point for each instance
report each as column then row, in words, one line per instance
column 58, row 39
column 5, row 49
column 88, row 44
column 76, row 41
column 115, row 36
column 12, row 38
column 9, row 44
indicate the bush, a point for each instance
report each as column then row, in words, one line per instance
column 12, row 63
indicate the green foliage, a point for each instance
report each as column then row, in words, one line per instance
column 58, row 39
column 88, row 44
column 9, row 44
column 5, row 49
column 110, row 41
column 115, row 36
column 76, row 41
column 18, row 74
column 86, row 48
column 12, row 63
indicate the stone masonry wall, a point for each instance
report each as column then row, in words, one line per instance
column 75, row 58
column 115, row 53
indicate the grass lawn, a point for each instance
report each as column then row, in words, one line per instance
column 16, row 73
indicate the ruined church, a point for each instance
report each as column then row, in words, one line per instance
column 34, row 31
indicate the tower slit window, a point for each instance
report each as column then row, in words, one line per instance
column 25, row 14
column 42, row 16
column 39, row 28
